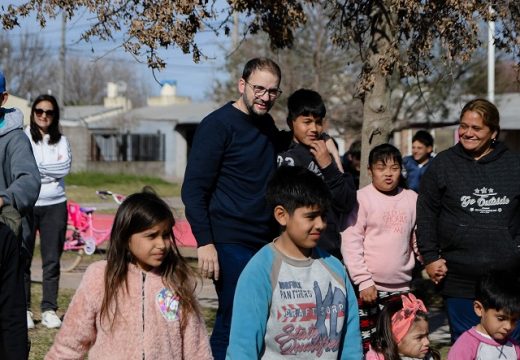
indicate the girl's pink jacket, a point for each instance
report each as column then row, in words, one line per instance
column 147, row 326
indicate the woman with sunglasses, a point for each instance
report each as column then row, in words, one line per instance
column 49, row 217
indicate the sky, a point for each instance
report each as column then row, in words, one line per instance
column 194, row 80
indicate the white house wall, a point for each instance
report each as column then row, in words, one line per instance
column 181, row 156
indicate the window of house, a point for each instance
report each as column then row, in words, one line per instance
column 127, row 147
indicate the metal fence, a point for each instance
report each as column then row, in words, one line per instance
column 127, row 147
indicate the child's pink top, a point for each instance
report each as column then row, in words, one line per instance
column 377, row 246
column 147, row 325
column 473, row 345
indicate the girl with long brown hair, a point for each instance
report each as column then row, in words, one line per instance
column 140, row 302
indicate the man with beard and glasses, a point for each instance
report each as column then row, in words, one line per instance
column 231, row 160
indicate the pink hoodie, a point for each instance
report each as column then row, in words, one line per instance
column 147, row 326
column 377, row 245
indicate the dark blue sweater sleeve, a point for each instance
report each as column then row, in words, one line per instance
column 201, row 176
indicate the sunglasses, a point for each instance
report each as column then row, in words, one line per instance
column 39, row 112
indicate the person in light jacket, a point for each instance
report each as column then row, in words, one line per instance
column 49, row 216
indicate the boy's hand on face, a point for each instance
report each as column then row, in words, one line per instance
column 208, row 261
column 333, row 150
column 321, row 153
column 368, row 295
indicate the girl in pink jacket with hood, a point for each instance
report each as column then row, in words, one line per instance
column 140, row 303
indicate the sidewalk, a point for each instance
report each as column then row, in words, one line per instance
column 439, row 329
column 70, row 280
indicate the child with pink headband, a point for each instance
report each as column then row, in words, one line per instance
column 402, row 332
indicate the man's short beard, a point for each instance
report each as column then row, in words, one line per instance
column 251, row 107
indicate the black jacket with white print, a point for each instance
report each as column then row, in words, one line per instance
column 468, row 213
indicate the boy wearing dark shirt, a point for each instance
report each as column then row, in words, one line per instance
column 306, row 114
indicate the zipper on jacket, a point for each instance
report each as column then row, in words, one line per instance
column 142, row 305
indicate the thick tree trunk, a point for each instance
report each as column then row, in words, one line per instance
column 376, row 117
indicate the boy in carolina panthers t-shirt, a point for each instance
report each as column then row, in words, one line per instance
column 294, row 299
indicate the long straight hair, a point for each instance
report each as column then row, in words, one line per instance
column 137, row 213
column 54, row 127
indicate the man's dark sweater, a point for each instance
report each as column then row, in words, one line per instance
column 231, row 160
column 468, row 212
column 342, row 189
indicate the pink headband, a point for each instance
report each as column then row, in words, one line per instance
column 403, row 319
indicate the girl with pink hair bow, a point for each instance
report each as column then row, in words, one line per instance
column 402, row 332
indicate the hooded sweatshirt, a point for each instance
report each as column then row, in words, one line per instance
column 147, row 325
column 53, row 162
column 20, row 179
column 19, row 187
column 468, row 213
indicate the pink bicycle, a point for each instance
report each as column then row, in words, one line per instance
column 82, row 236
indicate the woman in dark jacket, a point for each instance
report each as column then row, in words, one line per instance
column 468, row 212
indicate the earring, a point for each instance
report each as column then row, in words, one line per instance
column 493, row 142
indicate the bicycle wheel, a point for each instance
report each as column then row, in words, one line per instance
column 70, row 260
column 90, row 245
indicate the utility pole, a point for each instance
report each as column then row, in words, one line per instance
column 235, row 29
column 5, row 54
column 61, row 91
column 491, row 56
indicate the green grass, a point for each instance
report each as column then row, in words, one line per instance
column 41, row 337
column 209, row 317
column 444, row 351
column 82, row 186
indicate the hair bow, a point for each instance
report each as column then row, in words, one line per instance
column 404, row 318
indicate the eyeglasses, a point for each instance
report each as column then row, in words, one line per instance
column 39, row 112
column 260, row 91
